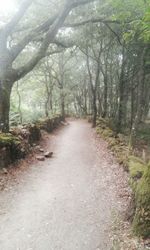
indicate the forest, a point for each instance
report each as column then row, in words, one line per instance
column 80, row 60
column 96, row 65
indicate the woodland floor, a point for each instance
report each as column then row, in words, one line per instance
column 71, row 201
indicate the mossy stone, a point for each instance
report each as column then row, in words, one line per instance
column 141, row 222
column 8, row 139
column 136, row 167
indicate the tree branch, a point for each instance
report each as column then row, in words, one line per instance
column 22, row 71
column 16, row 50
column 49, row 37
column 44, row 27
column 17, row 17
column 63, row 44
column 114, row 32
column 92, row 20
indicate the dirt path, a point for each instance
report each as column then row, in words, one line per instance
column 67, row 202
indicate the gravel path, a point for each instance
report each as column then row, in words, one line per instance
column 67, row 202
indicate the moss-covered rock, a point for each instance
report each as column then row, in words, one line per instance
column 17, row 144
column 34, row 134
column 136, row 167
column 141, row 222
column 8, row 139
column 49, row 124
column 10, row 149
column 29, row 133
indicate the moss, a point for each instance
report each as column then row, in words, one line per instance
column 101, row 121
column 8, row 139
column 10, row 149
column 112, row 142
column 108, row 133
column 141, row 222
column 105, row 132
column 136, row 159
column 49, row 124
column 136, row 167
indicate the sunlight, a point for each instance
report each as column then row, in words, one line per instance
column 7, row 6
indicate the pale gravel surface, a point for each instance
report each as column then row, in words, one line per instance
column 67, row 202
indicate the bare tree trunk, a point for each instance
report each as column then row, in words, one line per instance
column 62, row 99
column 19, row 103
column 140, row 106
column 5, row 92
column 94, row 111
column 105, row 97
column 93, row 86
column 46, row 108
column 48, row 104
column 121, row 94
column 132, row 105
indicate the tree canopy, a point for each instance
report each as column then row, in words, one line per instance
column 80, row 57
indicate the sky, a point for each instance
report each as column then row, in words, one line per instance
column 7, row 6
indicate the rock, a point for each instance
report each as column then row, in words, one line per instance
column 48, row 154
column 37, row 147
column 40, row 158
column 41, row 150
column 64, row 123
column 34, row 133
column 22, row 150
column 5, row 171
column 49, row 124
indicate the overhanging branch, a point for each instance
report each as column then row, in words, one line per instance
column 49, row 38
column 17, row 17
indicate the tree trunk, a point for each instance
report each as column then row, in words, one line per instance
column 5, row 92
column 46, row 109
column 47, row 105
column 63, row 109
column 105, row 97
column 140, row 104
column 121, row 105
column 62, row 105
column 121, row 94
column 132, row 105
column 94, row 111
column 19, row 103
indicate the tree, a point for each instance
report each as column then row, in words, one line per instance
column 8, row 55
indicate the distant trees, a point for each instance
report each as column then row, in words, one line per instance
column 122, row 89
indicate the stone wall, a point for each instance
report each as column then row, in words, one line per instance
column 18, row 143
